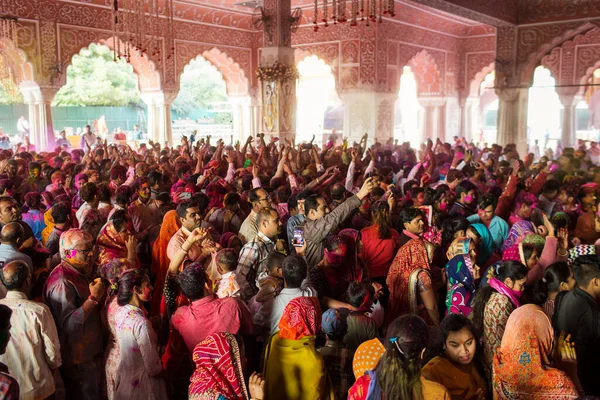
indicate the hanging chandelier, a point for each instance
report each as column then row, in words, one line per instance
column 138, row 27
column 360, row 11
column 8, row 28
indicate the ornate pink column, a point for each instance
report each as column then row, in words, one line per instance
column 278, row 95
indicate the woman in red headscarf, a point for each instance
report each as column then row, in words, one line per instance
column 218, row 373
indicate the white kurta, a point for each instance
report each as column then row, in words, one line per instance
column 140, row 362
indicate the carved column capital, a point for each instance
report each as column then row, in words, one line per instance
column 567, row 95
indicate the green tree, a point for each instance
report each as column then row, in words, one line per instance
column 201, row 84
column 95, row 79
column 9, row 93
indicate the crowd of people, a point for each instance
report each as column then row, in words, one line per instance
column 276, row 270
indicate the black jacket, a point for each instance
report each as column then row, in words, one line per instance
column 578, row 314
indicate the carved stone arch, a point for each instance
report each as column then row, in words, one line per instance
column 475, row 83
column 526, row 69
column 233, row 64
column 330, row 54
column 585, row 79
column 73, row 41
column 300, row 54
column 427, row 74
column 16, row 59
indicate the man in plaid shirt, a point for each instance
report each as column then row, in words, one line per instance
column 253, row 256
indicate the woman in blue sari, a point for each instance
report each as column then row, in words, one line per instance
column 462, row 272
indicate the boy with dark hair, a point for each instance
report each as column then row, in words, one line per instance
column 294, row 271
column 361, row 327
column 466, row 197
column 227, row 285
column 271, row 285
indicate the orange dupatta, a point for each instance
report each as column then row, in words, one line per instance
column 160, row 261
column 521, row 364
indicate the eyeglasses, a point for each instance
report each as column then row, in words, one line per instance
column 84, row 252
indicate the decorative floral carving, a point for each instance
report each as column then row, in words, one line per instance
column 385, row 116
column 350, row 51
column 427, row 74
column 367, row 61
column 555, row 10
column 475, row 63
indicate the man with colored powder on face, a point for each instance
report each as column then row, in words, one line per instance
column 74, row 303
column 466, row 197
column 145, row 212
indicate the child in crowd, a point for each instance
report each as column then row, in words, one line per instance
column 227, row 286
column 361, row 327
column 336, row 355
column 271, row 285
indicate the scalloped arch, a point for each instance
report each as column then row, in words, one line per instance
column 427, row 74
column 535, row 58
column 234, row 76
column 478, row 79
column 149, row 78
column 17, row 61
column 301, row 53
column 588, row 74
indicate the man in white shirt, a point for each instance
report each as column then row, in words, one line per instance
column 23, row 126
column 34, row 349
column 294, row 278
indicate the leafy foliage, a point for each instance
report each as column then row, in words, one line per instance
column 9, row 93
column 201, row 84
column 94, row 79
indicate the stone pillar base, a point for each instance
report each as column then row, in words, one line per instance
column 159, row 116
column 512, row 118
column 41, row 128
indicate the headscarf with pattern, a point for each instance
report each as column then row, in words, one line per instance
column 458, row 247
column 521, row 364
column 581, row 250
column 366, row 357
column 461, row 282
column 301, row 317
column 218, row 373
